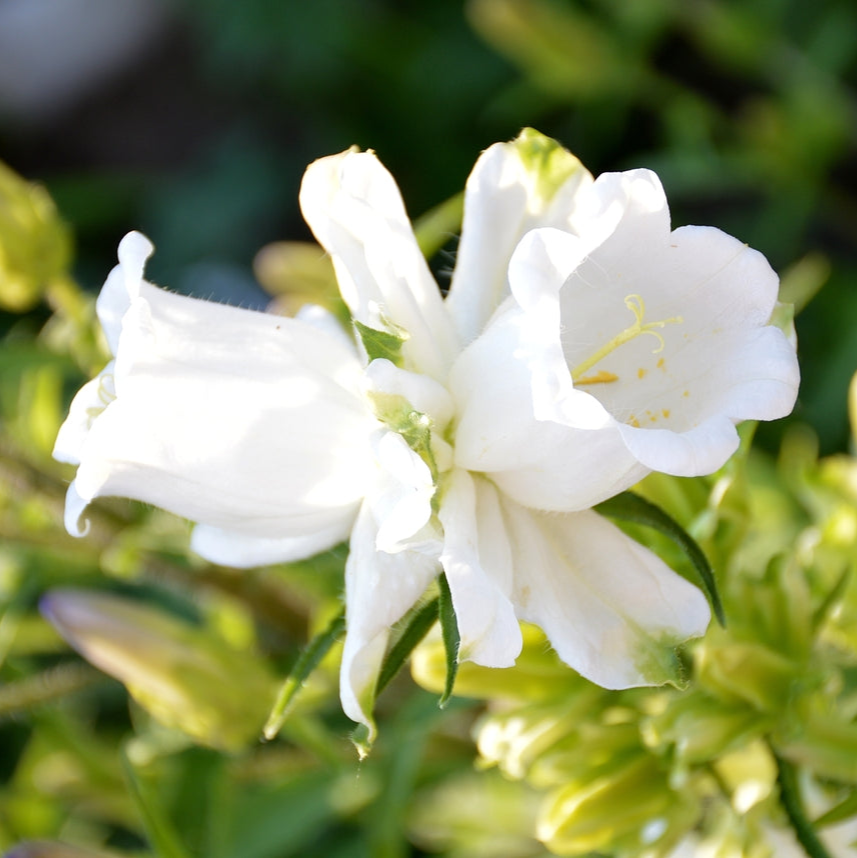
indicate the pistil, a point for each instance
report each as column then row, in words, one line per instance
column 636, row 305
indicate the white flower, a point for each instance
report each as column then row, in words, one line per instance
column 582, row 345
column 251, row 424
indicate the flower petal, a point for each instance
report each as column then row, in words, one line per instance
column 498, row 382
column 380, row 588
column 401, row 498
column 240, row 551
column 354, row 208
column 478, row 564
column 239, row 420
column 514, row 187
column 421, row 392
column 122, row 286
column 87, row 404
column 611, row 609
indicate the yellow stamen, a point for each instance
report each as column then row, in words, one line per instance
column 601, row 377
column 635, row 304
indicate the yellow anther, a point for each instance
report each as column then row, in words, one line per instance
column 636, row 305
column 601, row 377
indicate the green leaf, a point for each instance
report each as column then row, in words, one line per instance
column 839, row 813
column 416, row 628
column 307, row 662
column 451, row 638
column 630, row 507
column 832, row 599
column 381, row 344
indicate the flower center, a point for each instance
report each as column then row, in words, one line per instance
column 636, row 305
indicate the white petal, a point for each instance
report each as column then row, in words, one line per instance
column 423, row 393
column 87, row 404
column 246, row 552
column 354, row 208
column 243, row 421
column 478, row 565
column 380, row 588
column 122, row 285
column 503, row 200
column 611, row 608
column 75, row 506
column 401, row 499
column 497, row 383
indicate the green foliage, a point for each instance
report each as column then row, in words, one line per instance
column 745, row 109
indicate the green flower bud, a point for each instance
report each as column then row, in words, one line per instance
column 35, row 245
column 181, row 674
column 298, row 273
column 701, row 728
column 626, row 811
column 515, row 739
column 749, row 672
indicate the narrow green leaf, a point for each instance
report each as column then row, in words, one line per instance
column 832, row 599
column 162, row 835
column 307, row 662
column 381, row 344
column 839, row 813
column 630, row 507
column 451, row 638
column 415, row 630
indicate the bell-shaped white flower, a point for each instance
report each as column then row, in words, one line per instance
column 636, row 351
column 252, row 425
column 582, row 345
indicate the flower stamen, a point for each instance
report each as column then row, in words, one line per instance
column 636, row 305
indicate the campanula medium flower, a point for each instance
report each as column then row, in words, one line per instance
column 582, row 345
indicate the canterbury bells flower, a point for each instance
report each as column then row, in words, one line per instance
column 583, row 344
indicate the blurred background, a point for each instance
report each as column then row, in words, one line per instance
column 193, row 121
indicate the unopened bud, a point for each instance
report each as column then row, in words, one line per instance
column 626, row 812
column 182, row 674
column 35, row 245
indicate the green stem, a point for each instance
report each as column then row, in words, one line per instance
column 162, row 835
column 793, row 806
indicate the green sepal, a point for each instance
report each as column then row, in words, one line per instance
column 416, row 627
column 414, row 426
column 307, row 662
column 451, row 637
column 628, row 506
column 550, row 164
column 382, row 344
